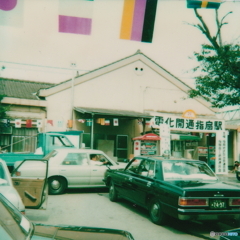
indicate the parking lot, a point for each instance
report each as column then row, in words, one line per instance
column 91, row 207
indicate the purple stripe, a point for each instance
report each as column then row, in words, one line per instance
column 138, row 19
column 76, row 25
column 7, row 5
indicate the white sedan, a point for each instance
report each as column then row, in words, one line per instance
column 23, row 192
column 73, row 168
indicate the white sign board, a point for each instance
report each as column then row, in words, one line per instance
column 221, row 160
column 165, row 146
column 185, row 124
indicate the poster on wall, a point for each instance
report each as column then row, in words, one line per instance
column 221, row 161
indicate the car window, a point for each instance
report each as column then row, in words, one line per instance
column 13, row 225
column 134, row 165
column 147, row 168
column 75, row 159
column 99, row 159
column 183, row 170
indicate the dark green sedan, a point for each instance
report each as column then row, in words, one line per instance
column 181, row 188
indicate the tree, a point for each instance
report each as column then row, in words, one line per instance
column 219, row 64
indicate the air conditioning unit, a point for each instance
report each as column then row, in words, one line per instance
column 6, row 130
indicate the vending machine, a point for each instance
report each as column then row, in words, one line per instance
column 147, row 144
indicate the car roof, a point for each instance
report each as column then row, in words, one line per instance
column 162, row 158
column 80, row 150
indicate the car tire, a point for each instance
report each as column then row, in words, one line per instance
column 156, row 213
column 238, row 176
column 113, row 195
column 56, row 185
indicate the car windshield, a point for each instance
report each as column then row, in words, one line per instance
column 13, row 225
column 184, row 170
column 3, row 176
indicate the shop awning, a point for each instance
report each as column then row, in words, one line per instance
column 148, row 136
column 112, row 112
column 185, row 137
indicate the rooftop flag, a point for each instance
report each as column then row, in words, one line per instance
column 213, row 4
column 75, row 16
column 138, row 20
column 11, row 13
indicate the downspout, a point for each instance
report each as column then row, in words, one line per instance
column 92, row 128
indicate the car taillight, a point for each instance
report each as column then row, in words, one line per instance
column 192, row 202
column 234, row 202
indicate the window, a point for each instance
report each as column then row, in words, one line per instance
column 24, row 144
column 75, row 159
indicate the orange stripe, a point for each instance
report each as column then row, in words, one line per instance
column 204, row 4
column 127, row 19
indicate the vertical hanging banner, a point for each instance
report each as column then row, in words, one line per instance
column 60, row 123
column 221, row 160
column 18, row 123
column 50, row 122
column 89, row 122
column 213, row 4
column 107, row 122
column 28, row 123
column 115, row 122
column 75, row 16
column 39, row 123
column 165, row 143
column 138, row 20
column 11, row 13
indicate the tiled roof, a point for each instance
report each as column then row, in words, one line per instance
column 21, row 88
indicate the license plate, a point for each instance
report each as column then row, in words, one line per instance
column 217, row 204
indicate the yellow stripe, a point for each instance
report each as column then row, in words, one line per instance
column 204, row 4
column 127, row 19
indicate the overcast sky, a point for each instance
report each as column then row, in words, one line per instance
column 34, row 49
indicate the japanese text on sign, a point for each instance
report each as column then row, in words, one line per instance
column 178, row 123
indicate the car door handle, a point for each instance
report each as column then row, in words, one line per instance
column 95, row 170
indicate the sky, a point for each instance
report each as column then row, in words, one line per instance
column 33, row 48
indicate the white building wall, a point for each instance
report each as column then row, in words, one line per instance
column 134, row 87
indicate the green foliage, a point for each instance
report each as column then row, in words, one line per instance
column 3, row 109
column 219, row 82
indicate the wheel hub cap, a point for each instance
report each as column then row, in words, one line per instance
column 55, row 184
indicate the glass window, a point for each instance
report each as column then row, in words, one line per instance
column 13, row 225
column 75, row 159
column 184, row 170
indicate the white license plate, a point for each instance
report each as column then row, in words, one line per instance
column 217, row 204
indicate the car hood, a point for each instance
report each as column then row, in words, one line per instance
column 120, row 165
column 46, row 232
column 12, row 195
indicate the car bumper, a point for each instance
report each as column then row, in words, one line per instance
column 196, row 214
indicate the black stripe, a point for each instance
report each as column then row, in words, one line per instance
column 149, row 20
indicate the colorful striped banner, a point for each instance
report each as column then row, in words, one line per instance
column 75, row 16
column 11, row 13
column 213, row 4
column 138, row 20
